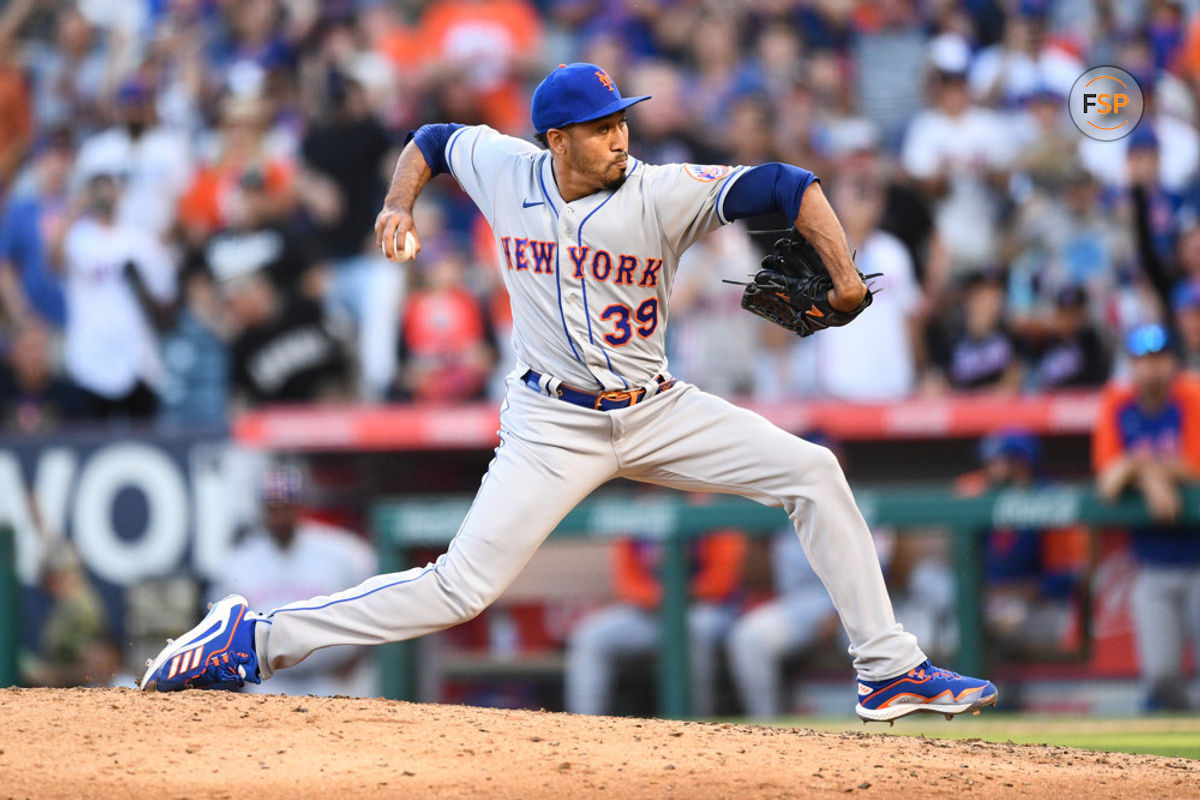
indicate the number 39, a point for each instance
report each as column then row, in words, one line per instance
column 646, row 315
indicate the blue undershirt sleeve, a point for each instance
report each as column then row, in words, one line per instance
column 766, row 188
column 431, row 141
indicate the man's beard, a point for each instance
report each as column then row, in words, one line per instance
column 605, row 185
column 615, row 183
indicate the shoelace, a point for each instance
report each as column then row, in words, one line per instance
column 934, row 672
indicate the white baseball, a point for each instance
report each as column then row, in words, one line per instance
column 410, row 248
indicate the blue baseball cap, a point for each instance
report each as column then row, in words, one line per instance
column 1148, row 339
column 1143, row 138
column 574, row 93
column 1015, row 443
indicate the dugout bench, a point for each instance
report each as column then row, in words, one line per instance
column 401, row 524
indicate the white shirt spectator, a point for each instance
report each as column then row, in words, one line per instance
column 961, row 149
column 871, row 359
column 712, row 340
column 110, row 345
column 156, row 167
column 1178, row 154
column 320, row 560
column 1017, row 74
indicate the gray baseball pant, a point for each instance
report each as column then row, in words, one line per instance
column 554, row 454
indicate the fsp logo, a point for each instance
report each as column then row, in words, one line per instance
column 604, row 79
column 1106, row 103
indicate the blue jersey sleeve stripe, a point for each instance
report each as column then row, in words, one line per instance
column 450, row 151
column 355, row 597
column 431, row 140
column 542, row 181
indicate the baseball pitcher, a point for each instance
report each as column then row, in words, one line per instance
column 591, row 237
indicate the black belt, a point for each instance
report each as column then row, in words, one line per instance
column 604, row 401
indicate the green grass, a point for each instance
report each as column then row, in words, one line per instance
column 1164, row 736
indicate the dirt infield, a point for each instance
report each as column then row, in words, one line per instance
column 117, row 743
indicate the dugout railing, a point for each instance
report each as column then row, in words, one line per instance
column 404, row 524
column 10, row 612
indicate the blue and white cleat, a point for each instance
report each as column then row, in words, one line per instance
column 923, row 688
column 216, row 654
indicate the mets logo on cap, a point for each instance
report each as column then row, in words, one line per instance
column 707, row 173
column 603, row 77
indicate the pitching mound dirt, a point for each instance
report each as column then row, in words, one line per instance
column 117, row 743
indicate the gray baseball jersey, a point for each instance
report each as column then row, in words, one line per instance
column 590, row 280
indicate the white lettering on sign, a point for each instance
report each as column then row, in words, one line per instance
column 164, row 540
column 1036, row 509
column 648, row 520
column 72, row 490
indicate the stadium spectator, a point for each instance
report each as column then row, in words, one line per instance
column 242, row 148
column 154, row 161
column 68, row 74
column 119, row 280
column 630, row 628
column 447, row 348
column 284, row 349
column 1046, row 142
column 1185, row 309
column 75, row 646
column 667, row 136
column 344, row 153
column 959, row 154
column 196, row 357
column 784, row 365
column 1033, row 576
column 798, row 619
column 1173, row 139
column 254, row 238
column 1156, row 208
column 1147, row 438
column 487, row 46
column 15, row 105
column 1026, row 60
column 31, row 238
column 978, row 352
column 877, row 360
column 1063, row 237
column 890, row 50
column 33, row 398
column 288, row 556
column 1071, row 354
column 713, row 342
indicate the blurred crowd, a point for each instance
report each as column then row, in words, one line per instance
column 189, row 189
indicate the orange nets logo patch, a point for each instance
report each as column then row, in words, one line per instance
column 707, row 173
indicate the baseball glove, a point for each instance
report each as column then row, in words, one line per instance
column 792, row 289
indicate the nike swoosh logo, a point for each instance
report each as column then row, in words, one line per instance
column 814, row 312
column 527, row 204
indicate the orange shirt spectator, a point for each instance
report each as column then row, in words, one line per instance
column 445, row 338
column 715, row 562
column 206, row 206
column 211, row 202
column 17, row 113
column 490, row 38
